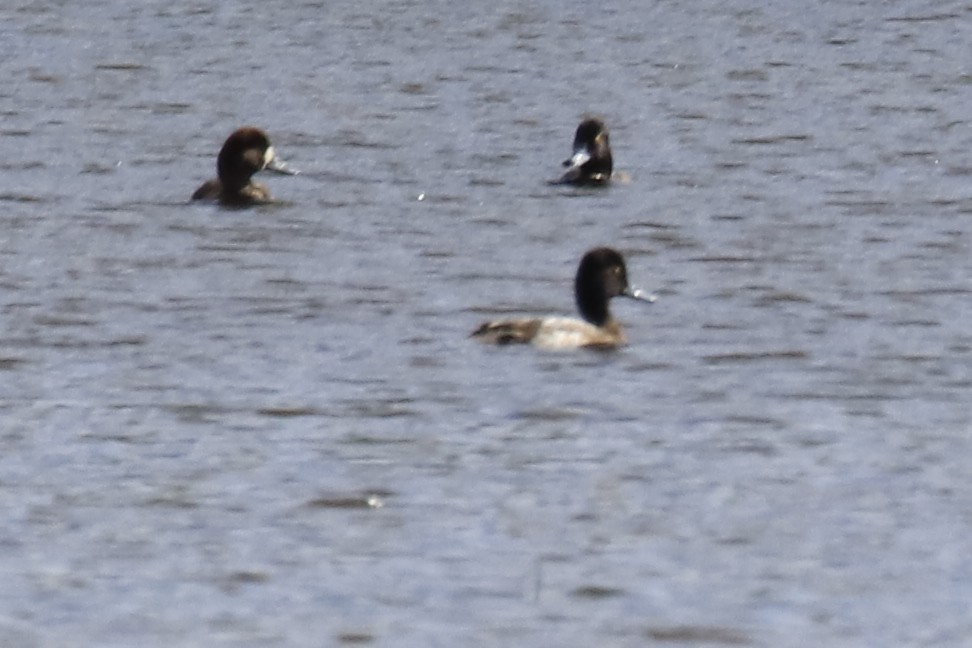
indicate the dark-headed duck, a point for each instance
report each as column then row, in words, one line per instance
column 600, row 276
column 591, row 162
column 246, row 151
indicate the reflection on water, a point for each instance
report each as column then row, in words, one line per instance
column 269, row 427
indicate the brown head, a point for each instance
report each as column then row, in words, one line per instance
column 245, row 152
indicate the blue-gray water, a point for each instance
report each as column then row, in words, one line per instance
column 267, row 427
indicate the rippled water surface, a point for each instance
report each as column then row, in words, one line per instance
column 267, row 427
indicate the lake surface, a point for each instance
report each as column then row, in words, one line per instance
column 268, row 427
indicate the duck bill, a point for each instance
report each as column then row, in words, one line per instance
column 633, row 292
column 272, row 163
column 581, row 156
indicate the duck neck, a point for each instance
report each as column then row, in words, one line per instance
column 592, row 303
column 234, row 174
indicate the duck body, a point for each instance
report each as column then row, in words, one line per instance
column 253, row 193
column 552, row 333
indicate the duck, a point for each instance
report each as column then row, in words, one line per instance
column 245, row 152
column 601, row 275
column 591, row 163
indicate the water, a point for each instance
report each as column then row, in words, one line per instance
column 267, row 427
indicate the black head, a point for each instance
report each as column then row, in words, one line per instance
column 600, row 276
column 245, row 152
